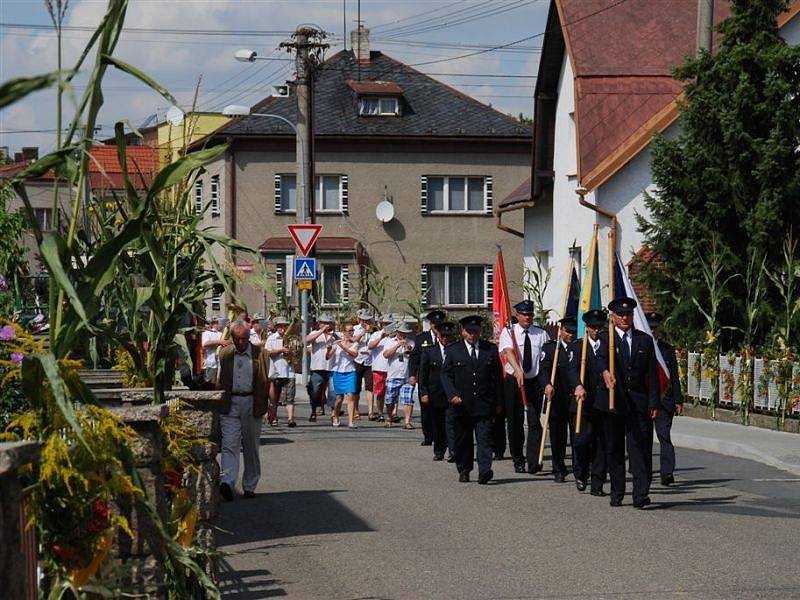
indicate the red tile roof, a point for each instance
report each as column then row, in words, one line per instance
column 105, row 172
column 622, row 54
column 520, row 195
column 323, row 244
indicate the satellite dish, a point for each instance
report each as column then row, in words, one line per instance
column 175, row 115
column 384, row 211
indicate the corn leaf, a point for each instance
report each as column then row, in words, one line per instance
column 16, row 89
column 51, row 254
column 175, row 173
column 140, row 75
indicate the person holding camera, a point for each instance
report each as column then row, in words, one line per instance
column 398, row 390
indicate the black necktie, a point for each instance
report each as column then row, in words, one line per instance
column 474, row 354
column 527, row 353
column 626, row 351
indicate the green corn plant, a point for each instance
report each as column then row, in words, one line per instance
column 534, row 285
column 754, row 285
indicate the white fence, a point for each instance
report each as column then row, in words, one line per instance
column 765, row 389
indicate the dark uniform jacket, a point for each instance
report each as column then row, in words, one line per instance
column 592, row 378
column 421, row 342
column 673, row 395
column 430, row 376
column 260, row 378
column 563, row 384
column 478, row 385
column 637, row 382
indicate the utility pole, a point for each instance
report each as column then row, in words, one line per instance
column 308, row 44
column 705, row 25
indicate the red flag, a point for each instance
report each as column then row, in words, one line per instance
column 501, row 303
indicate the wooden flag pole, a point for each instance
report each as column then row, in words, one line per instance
column 555, row 360
column 584, row 347
column 612, row 250
column 523, row 394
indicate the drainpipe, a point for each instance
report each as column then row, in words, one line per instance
column 498, row 222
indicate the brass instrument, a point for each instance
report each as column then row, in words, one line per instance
column 234, row 312
column 291, row 340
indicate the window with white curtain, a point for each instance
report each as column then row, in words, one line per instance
column 327, row 193
column 456, row 285
column 459, row 194
column 376, row 106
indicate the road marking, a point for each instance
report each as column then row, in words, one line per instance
column 777, row 479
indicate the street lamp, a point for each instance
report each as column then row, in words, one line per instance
column 237, row 110
column 247, row 55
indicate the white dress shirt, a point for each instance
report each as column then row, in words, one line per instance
column 538, row 337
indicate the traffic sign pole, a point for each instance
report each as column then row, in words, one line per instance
column 304, row 236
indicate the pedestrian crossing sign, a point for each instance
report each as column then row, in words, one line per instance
column 305, row 268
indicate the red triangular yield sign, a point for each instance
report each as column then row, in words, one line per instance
column 304, row 236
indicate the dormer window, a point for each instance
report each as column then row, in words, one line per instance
column 378, row 107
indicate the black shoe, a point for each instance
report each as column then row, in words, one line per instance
column 534, row 469
column 382, row 419
column 668, row 480
column 615, row 502
column 519, row 468
column 438, row 457
column 485, row 477
column 426, row 443
column 396, row 419
column 598, row 493
column 498, row 456
column 313, row 418
column 225, row 491
column 558, row 478
column 463, row 477
column 451, row 457
column 292, row 424
column 581, row 485
column 249, row 495
column 641, row 503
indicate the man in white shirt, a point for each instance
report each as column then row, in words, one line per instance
column 212, row 339
column 281, row 374
column 361, row 335
column 521, row 370
column 317, row 343
column 255, row 331
column 398, row 390
column 380, row 364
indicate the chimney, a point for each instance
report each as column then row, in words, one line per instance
column 30, row 153
column 17, row 157
column 359, row 43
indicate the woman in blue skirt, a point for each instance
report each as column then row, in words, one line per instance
column 344, row 351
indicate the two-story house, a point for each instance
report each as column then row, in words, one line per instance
column 383, row 131
column 604, row 87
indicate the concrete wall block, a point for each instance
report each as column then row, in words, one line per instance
column 146, row 537
column 203, row 486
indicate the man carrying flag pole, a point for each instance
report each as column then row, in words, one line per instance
column 520, row 347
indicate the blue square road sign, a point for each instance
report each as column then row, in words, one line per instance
column 305, row 268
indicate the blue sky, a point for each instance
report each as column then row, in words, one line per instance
column 410, row 31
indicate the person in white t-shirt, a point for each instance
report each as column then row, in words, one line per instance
column 256, row 334
column 398, row 390
column 343, row 353
column 211, row 339
column 380, row 364
column 281, row 374
column 317, row 343
column 361, row 334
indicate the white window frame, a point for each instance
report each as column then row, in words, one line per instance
column 215, row 211
column 216, row 300
column 198, row 196
column 343, row 273
column 318, row 189
column 284, row 177
column 393, row 112
column 446, row 191
column 43, row 216
column 447, row 302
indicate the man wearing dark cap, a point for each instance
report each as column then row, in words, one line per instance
column 424, row 340
column 671, row 403
column 636, row 402
column 559, row 393
column 431, row 393
column 588, row 450
column 522, row 351
column 471, row 381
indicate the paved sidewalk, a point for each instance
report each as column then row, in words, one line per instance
column 774, row 448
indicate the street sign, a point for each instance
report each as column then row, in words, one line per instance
column 305, row 268
column 304, row 284
column 304, row 236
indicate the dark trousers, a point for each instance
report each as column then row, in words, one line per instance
column 427, row 426
column 560, row 425
column 634, row 430
column 436, row 415
column 465, row 427
column 499, row 437
column 450, row 429
column 515, row 419
column 663, row 426
column 317, row 385
column 588, row 450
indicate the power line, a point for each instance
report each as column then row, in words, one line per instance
column 174, row 31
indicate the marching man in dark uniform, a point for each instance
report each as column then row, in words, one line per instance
column 431, row 393
column 588, row 450
column 471, row 380
column 671, row 403
column 636, row 402
column 560, row 394
column 424, row 340
column 521, row 370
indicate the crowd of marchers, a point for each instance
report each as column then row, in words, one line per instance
column 602, row 400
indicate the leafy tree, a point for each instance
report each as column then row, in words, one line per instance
column 12, row 253
column 732, row 172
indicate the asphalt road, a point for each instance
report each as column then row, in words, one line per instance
column 368, row 514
